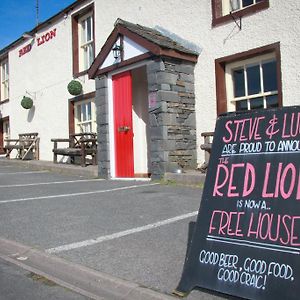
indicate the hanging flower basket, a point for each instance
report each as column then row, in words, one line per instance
column 74, row 87
column 26, row 102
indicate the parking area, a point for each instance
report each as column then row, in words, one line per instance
column 135, row 230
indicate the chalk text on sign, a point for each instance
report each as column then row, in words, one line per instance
column 243, row 130
column 284, row 184
column 291, row 125
column 267, row 227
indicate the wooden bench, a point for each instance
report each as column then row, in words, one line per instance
column 208, row 137
column 27, row 146
column 79, row 145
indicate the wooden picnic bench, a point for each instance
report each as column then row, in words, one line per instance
column 27, row 146
column 206, row 146
column 79, row 145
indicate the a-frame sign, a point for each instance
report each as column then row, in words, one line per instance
column 246, row 240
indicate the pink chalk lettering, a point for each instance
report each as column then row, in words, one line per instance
column 231, row 187
column 286, row 182
column 217, row 186
column 249, row 174
column 228, row 223
column 294, row 238
column 243, row 130
column 272, row 228
column 291, row 182
column 285, row 225
column 211, row 227
column 294, row 128
column 224, row 182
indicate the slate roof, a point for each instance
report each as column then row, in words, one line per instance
column 151, row 39
column 154, row 36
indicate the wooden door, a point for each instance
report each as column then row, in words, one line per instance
column 122, row 98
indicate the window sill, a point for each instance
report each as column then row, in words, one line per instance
column 241, row 13
column 4, row 101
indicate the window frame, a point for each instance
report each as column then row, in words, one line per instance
column 73, row 102
column 220, row 72
column 243, row 64
column 4, row 80
column 84, row 43
column 78, row 69
column 78, row 120
column 217, row 12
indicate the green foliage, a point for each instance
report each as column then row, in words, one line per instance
column 26, row 102
column 75, row 88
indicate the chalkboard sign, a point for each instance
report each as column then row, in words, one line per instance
column 246, row 240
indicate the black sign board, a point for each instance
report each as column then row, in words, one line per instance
column 246, row 240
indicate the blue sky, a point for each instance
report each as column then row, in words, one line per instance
column 18, row 16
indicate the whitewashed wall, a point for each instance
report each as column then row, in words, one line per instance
column 191, row 20
column 46, row 70
column 43, row 74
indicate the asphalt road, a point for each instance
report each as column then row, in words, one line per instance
column 133, row 230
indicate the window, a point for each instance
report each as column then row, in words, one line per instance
column 222, row 9
column 85, row 117
column 249, row 80
column 252, row 84
column 4, row 80
column 83, row 41
column 235, row 5
column 86, row 56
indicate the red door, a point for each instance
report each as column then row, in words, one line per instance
column 122, row 91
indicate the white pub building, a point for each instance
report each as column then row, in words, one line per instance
column 154, row 76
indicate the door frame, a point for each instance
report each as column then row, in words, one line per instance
column 111, row 114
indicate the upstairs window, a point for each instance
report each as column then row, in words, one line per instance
column 83, row 41
column 4, row 80
column 229, row 6
column 222, row 9
column 86, row 56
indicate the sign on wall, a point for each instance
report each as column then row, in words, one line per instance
column 247, row 237
column 40, row 41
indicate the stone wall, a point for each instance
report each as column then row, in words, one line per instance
column 172, row 116
column 101, row 102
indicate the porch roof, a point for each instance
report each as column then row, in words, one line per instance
column 151, row 39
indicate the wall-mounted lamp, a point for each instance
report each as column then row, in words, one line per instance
column 117, row 50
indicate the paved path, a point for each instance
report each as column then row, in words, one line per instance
column 17, row 283
column 136, row 231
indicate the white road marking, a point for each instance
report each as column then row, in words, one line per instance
column 31, row 172
column 76, row 194
column 48, row 183
column 120, row 234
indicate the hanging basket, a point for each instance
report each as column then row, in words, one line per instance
column 75, row 88
column 26, row 102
